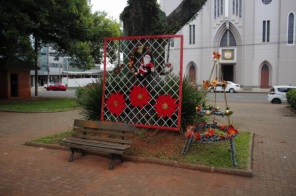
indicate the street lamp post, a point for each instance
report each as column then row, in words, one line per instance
column 48, row 70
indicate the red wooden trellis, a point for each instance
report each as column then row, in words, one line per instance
column 152, row 100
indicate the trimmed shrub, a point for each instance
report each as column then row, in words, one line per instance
column 90, row 100
column 291, row 98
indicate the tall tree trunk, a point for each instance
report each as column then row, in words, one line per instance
column 142, row 17
column 185, row 12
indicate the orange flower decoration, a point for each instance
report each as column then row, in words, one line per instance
column 189, row 132
column 216, row 55
column 116, row 103
column 165, row 106
column 231, row 130
column 197, row 136
column 206, row 84
column 222, row 127
column 139, row 96
column 214, row 82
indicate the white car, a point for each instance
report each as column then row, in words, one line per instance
column 277, row 94
column 231, row 87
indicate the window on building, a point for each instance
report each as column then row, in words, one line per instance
column 233, row 7
column 191, row 34
column 228, row 39
column 291, row 28
column 240, row 8
column 266, row 31
column 172, row 43
column 218, row 8
column 237, row 7
column 215, row 7
column 221, row 7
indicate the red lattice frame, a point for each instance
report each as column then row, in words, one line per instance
column 119, row 83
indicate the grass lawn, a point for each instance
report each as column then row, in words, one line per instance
column 210, row 154
column 39, row 105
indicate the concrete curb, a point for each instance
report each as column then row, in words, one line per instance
column 247, row 173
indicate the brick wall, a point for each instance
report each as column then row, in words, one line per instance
column 24, row 87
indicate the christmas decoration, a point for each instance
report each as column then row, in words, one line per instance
column 168, row 68
column 116, row 103
column 146, row 67
column 165, row 106
column 212, row 132
column 139, row 96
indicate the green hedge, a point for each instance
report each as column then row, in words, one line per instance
column 291, row 97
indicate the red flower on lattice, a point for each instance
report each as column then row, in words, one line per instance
column 139, row 96
column 116, row 103
column 165, row 106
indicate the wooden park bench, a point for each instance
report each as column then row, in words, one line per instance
column 100, row 137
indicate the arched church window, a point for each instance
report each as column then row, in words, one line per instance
column 228, row 39
column 291, row 28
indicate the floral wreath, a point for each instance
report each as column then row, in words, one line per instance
column 204, row 132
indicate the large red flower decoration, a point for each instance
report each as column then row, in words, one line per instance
column 139, row 96
column 165, row 106
column 116, row 103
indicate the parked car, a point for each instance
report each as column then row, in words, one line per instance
column 277, row 94
column 231, row 88
column 57, row 87
column 45, row 85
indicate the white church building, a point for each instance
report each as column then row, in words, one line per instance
column 256, row 40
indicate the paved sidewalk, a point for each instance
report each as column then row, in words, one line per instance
column 26, row 170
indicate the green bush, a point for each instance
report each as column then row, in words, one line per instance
column 291, row 98
column 90, row 99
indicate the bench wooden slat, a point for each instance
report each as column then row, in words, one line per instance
column 108, row 132
column 114, row 140
column 96, row 143
column 104, row 125
column 93, row 149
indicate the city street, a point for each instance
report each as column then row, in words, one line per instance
column 237, row 97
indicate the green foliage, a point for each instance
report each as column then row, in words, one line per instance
column 291, row 98
column 24, row 21
column 191, row 98
column 90, row 100
column 85, row 54
column 42, row 105
column 68, row 26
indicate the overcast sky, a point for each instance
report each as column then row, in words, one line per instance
column 112, row 7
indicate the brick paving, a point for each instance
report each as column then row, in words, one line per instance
column 26, row 170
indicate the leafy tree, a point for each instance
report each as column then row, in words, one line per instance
column 68, row 25
column 143, row 17
column 22, row 21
